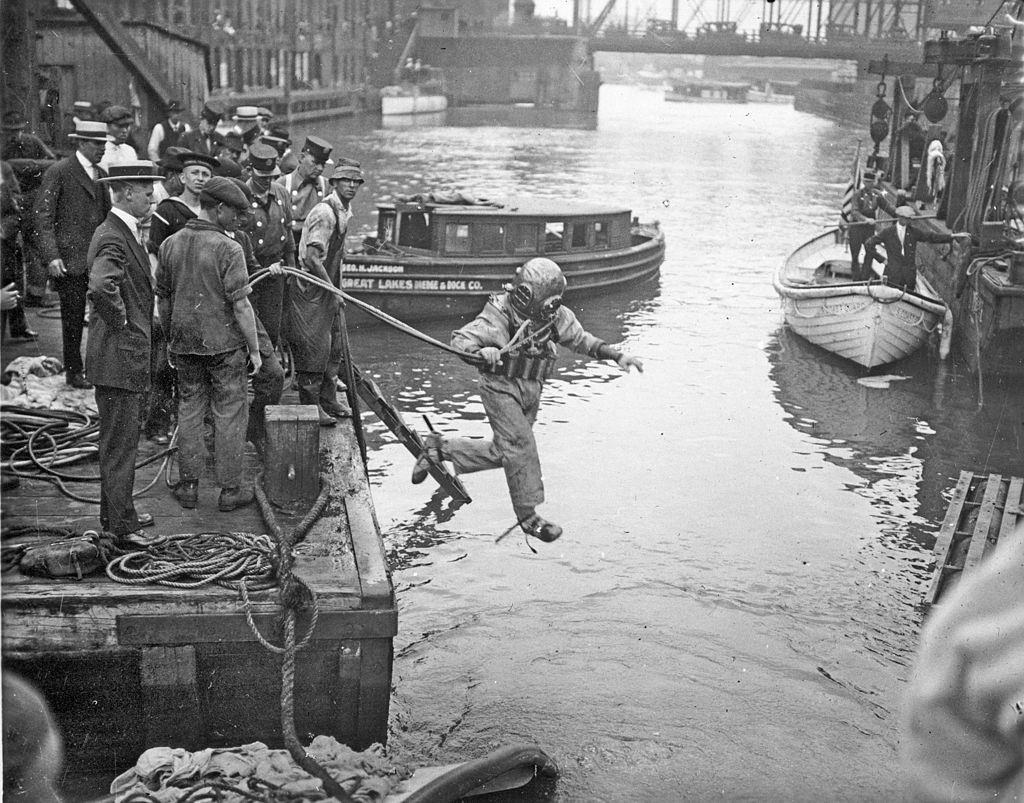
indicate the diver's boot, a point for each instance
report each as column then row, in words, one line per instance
column 328, row 398
column 309, row 393
column 540, row 528
column 431, row 447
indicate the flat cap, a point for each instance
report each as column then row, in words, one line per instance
column 228, row 168
column 225, row 191
column 117, row 115
column 905, row 211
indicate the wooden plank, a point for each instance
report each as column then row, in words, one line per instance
column 979, row 540
column 203, row 628
column 374, row 691
column 293, row 446
column 944, row 541
column 170, row 697
column 374, row 579
column 1012, row 512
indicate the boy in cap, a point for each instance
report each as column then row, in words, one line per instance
column 69, row 206
column 900, row 241
column 270, row 230
column 203, row 291
column 306, row 186
column 205, row 138
column 315, row 317
column 169, row 132
column 120, row 336
column 515, row 336
column 119, row 120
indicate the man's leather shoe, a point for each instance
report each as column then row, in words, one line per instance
column 335, row 408
column 25, row 336
column 541, row 529
column 187, row 493
column 79, row 381
column 137, row 539
column 326, row 420
column 145, row 519
column 231, row 498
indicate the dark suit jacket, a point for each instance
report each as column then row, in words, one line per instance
column 121, row 323
column 68, row 207
column 901, row 261
column 196, row 142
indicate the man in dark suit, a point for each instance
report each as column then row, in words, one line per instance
column 205, row 139
column 69, row 206
column 120, row 337
column 900, row 241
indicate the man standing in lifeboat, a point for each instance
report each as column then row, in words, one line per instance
column 514, row 342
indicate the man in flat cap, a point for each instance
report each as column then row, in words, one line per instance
column 270, row 230
column 203, row 295
column 117, row 360
column 169, row 131
column 231, row 146
column 306, row 186
column 69, row 206
column 900, row 241
column 866, row 202
column 205, row 138
column 315, row 317
column 119, row 120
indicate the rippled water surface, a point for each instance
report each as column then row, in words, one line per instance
column 732, row 609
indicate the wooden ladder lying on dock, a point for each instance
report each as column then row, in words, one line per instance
column 982, row 513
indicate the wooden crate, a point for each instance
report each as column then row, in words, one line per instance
column 983, row 511
column 292, row 473
column 131, row 667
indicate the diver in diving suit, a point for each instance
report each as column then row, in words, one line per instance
column 515, row 336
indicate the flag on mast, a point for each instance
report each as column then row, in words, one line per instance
column 857, row 174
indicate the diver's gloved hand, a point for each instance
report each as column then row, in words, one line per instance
column 626, row 361
column 490, row 355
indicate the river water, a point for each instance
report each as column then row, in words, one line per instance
column 733, row 608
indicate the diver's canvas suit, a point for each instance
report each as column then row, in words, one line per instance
column 511, row 403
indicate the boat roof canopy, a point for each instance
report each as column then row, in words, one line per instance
column 512, row 207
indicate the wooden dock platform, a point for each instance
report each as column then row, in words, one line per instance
column 983, row 512
column 127, row 667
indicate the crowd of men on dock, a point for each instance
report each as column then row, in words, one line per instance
column 163, row 252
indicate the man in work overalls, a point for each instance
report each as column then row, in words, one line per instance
column 515, row 337
column 315, row 317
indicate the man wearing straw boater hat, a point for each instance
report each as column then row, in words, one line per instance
column 69, row 206
column 270, row 229
column 117, row 359
column 900, row 241
column 306, row 186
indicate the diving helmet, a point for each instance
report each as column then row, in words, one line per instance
column 536, row 291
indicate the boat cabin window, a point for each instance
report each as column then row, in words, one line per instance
column 414, row 230
column 601, row 231
column 456, row 238
column 490, row 238
column 522, row 238
column 386, row 227
column 579, row 235
column 554, row 236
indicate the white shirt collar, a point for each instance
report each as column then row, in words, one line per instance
column 901, row 231
column 90, row 168
column 130, row 220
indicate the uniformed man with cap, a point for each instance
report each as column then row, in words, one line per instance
column 171, row 215
column 168, row 132
column 205, row 138
column 203, row 294
column 515, row 338
column 117, row 358
column 315, row 318
column 119, row 120
column 900, row 241
column 306, row 186
column 867, row 200
column 270, row 230
column 69, row 206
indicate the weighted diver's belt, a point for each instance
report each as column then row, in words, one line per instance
column 522, row 366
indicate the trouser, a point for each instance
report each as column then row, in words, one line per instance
column 857, row 234
column 214, row 383
column 267, row 387
column 268, row 301
column 72, row 290
column 511, row 406
column 120, row 412
column 160, row 404
column 12, row 260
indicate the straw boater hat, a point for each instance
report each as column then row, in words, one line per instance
column 263, row 111
column 82, row 109
column 138, row 170
column 263, row 160
column 89, row 129
column 905, row 211
column 245, row 114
